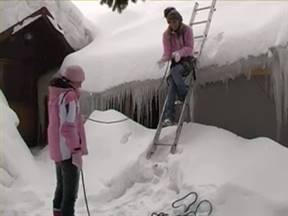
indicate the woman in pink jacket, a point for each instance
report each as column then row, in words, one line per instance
column 66, row 137
column 178, row 47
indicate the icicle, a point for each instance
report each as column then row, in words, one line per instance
column 128, row 98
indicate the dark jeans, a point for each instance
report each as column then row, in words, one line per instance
column 176, row 87
column 67, row 187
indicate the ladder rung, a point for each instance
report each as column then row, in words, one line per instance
column 199, row 22
column 203, row 8
column 199, row 36
column 162, row 144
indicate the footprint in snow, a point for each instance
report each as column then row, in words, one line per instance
column 125, row 137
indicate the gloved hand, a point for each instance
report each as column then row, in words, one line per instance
column 77, row 159
column 161, row 63
column 176, row 56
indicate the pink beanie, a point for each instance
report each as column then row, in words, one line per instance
column 74, row 73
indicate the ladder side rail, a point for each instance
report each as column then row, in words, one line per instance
column 196, row 5
column 187, row 99
column 192, row 84
column 212, row 10
column 155, row 141
column 159, row 126
column 181, row 119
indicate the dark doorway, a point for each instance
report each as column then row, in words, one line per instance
column 33, row 51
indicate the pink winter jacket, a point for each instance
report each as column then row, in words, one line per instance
column 182, row 43
column 66, row 133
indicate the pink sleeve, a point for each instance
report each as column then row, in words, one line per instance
column 68, row 130
column 166, row 46
column 69, row 126
column 187, row 50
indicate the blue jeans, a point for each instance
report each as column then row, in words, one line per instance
column 67, row 187
column 176, row 87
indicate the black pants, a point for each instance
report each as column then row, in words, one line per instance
column 67, row 187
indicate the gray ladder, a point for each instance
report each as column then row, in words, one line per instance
column 191, row 79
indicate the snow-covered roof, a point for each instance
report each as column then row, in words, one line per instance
column 73, row 24
column 128, row 45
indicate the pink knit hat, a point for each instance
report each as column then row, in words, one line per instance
column 74, row 73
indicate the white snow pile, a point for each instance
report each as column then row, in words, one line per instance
column 239, row 176
column 17, row 165
column 73, row 24
column 10, row 165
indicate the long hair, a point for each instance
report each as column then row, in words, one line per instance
column 60, row 82
column 180, row 31
column 171, row 13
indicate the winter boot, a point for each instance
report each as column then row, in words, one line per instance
column 167, row 122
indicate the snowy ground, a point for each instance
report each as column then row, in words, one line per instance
column 239, row 176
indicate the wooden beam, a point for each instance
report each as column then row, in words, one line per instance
column 261, row 72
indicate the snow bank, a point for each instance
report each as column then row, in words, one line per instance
column 128, row 136
column 16, row 158
column 232, row 172
column 17, row 165
column 239, row 176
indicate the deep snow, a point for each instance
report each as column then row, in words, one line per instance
column 239, row 176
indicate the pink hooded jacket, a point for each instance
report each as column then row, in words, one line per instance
column 181, row 42
column 66, row 133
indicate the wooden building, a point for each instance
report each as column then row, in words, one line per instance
column 28, row 50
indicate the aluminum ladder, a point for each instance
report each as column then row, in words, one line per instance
column 191, row 80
